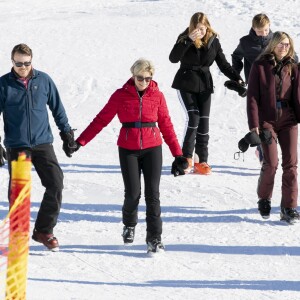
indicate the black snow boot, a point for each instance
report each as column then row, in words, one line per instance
column 290, row 215
column 128, row 234
column 264, row 208
column 155, row 246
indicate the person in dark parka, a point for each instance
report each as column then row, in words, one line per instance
column 196, row 49
column 252, row 44
column 249, row 48
column 273, row 104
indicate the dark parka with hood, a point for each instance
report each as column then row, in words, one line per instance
column 193, row 75
column 249, row 48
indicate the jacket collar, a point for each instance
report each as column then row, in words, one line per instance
column 270, row 57
column 262, row 39
column 14, row 75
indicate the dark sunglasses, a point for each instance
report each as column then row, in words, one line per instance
column 141, row 78
column 21, row 64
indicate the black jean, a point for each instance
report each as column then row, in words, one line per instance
column 197, row 107
column 46, row 165
column 133, row 162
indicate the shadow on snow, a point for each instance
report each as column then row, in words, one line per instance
column 265, row 285
column 166, row 170
column 138, row 251
column 177, row 214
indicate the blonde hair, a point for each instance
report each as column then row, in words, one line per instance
column 201, row 18
column 277, row 38
column 260, row 20
column 142, row 65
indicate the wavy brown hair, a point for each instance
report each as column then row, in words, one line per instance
column 197, row 18
column 201, row 18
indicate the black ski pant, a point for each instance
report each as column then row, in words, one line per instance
column 133, row 162
column 46, row 165
column 197, row 107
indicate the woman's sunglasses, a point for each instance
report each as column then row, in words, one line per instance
column 141, row 78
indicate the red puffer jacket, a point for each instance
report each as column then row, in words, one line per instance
column 130, row 107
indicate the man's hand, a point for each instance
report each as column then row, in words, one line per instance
column 69, row 144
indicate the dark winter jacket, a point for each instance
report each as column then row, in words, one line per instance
column 130, row 107
column 25, row 115
column 194, row 75
column 270, row 82
column 249, row 48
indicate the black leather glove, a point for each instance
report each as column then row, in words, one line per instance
column 236, row 86
column 69, row 144
column 179, row 165
column 2, row 155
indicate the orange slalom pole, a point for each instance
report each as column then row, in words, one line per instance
column 19, row 226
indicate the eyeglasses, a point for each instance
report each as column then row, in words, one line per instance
column 21, row 64
column 141, row 78
column 283, row 45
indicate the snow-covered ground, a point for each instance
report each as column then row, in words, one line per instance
column 217, row 245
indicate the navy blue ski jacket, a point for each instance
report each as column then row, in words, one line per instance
column 25, row 115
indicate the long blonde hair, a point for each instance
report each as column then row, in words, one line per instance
column 201, row 18
column 277, row 38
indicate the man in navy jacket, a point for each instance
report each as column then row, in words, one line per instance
column 25, row 94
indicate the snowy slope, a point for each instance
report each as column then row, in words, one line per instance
column 217, row 246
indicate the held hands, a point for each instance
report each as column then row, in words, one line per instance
column 238, row 86
column 2, row 155
column 179, row 165
column 69, row 144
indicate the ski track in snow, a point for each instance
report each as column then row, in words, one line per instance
column 217, row 245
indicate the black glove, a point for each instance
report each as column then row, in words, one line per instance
column 2, row 155
column 179, row 165
column 236, row 86
column 266, row 136
column 251, row 139
column 69, row 144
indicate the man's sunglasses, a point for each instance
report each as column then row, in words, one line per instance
column 141, row 78
column 21, row 64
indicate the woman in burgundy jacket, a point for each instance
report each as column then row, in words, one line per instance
column 273, row 104
column 143, row 112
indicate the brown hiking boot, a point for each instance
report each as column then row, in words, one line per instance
column 48, row 239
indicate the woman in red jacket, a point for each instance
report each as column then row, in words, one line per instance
column 273, row 104
column 142, row 110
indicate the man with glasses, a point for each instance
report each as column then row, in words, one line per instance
column 25, row 94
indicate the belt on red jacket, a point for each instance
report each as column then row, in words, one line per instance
column 138, row 124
